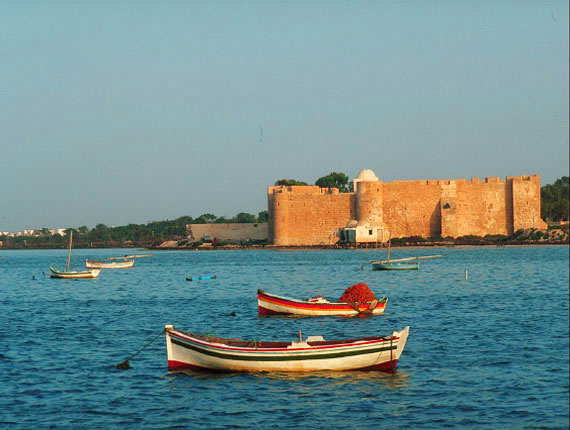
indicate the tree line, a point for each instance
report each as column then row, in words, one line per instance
column 554, row 200
column 139, row 235
column 332, row 180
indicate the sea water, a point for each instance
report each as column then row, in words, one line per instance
column 489, row 351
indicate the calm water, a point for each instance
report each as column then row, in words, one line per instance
column 491, row 352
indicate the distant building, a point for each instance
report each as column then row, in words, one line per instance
column 377, row 210
column 227, row 231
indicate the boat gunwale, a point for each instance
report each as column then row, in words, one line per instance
column 74, row 274
column 272, row 346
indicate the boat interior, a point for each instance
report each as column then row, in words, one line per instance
column 265, row 344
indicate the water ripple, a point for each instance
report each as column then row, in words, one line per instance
column 487, row 353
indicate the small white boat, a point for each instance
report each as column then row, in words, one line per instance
column 67, row 273
column 73, row 274
column 187, row 350
column 395, row 265
column 95, row 264
column 410, row 263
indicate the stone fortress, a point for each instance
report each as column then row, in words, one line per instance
column 376, row 210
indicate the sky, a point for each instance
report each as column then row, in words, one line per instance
column 117, row 112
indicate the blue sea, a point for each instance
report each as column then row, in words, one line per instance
column 487, row 352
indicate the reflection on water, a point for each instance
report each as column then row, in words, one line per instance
column 324, row 379
column 478, row 354
column 204, row 374
column 392, row 381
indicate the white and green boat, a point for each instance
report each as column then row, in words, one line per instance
column 192, row 351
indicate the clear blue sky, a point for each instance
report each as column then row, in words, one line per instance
column 121, row 112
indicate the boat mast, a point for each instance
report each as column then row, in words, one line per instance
column 69, row 253
column 389, row 240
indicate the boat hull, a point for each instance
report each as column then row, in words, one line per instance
column 185, row 350
column 395, row 266
column 74, row 274
column 90, row 264
column 270, row 304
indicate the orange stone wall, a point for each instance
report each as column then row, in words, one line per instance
column 526, row 203
column 412, row 208
column 483, row 207
column 309, row 215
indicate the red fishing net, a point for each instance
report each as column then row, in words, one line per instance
column 359, row 293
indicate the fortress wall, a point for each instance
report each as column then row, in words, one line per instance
column 526, row 202
column 482, row 207
column 448, row 209
column 412, row 208
column 310, row 216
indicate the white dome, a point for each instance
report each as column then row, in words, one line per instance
column 352, row 223
column 366, row 175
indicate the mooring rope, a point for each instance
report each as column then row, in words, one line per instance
column 125, row 364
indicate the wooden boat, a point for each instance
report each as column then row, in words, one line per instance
column 269, row 304
column 409, row 263
column 72, row 274
column 95, row 264
column 395, row 265
column 187, row 350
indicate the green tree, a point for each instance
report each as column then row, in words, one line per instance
column 290, row 182
column 263, row 216
column 554, row 200
column 243, row 217
column 101, row 232
column 205, row 219
column 335, row 180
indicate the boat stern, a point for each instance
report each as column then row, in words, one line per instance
column 403, row 335
column 167, row 329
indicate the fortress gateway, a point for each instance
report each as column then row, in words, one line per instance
column 376, row 210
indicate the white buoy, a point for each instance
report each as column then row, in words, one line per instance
column 466, row 275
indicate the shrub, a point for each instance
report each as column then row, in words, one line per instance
column 496, row 237
column 222, row 243
column 535, row 235
column 436, row 239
